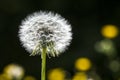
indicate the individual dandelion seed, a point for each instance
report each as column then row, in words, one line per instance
column 45, row 29
column 45, row 33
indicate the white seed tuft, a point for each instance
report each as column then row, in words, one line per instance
column 45, row 29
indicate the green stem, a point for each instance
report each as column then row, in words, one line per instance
column 43, row 63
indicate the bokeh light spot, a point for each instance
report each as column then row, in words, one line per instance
column 109, row 31
column 107, row 47
column 83, row 64
column 14, row 71
column 114, row 66
column 56, row 74
column 80, row 76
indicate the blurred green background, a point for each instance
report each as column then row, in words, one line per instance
column 87, row 18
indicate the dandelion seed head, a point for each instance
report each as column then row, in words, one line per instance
column 45, row 29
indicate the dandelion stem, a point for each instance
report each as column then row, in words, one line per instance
column 43, row 63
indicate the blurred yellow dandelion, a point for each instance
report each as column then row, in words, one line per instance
column 14, row 71
column 56, row 74
column 109, row 31
column 83, row 64
column 80, row 76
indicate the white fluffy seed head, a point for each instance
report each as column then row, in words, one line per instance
column 45, row 29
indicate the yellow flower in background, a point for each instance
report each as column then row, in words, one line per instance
column 109, row 31
column 14, row 71
column 56, row 74
column 80, row 76
column 29, row 78
column 83, row 64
